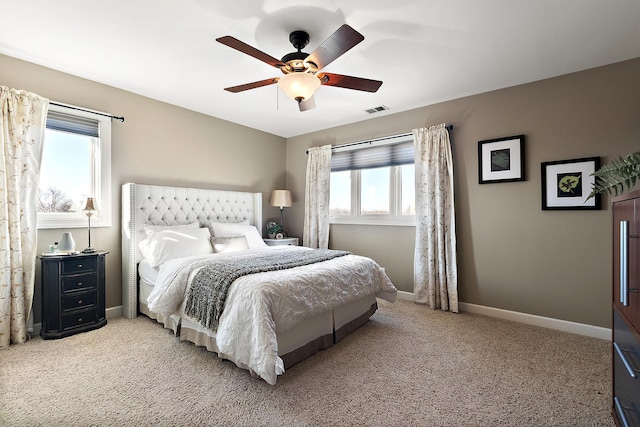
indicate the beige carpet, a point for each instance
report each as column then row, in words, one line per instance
column 408, row 366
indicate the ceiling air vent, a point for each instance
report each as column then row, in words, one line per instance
column 377, row 109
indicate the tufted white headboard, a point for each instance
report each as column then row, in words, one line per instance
column 161, row 205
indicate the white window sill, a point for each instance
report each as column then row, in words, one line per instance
column 44, row 224
column 402, row 222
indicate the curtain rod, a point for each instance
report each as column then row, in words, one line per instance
column 121, row 118
column 369, row 141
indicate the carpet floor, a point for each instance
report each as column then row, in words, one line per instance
column 408, row 366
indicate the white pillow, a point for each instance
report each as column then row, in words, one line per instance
column 149, row 229
column 166, row 245
column 229, row 244
column 229, row 229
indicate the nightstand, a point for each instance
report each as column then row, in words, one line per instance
column 73, row 294
column 287, row 241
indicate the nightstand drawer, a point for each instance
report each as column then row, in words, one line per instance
column 73, row 320
column 79, row 300
column 79, row 282
column 77, row 265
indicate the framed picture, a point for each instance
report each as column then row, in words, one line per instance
column 566, row 184
column 501, row 160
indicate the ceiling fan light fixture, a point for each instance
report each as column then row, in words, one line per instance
column 299, row 86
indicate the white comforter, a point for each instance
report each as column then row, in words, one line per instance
column 260, row 304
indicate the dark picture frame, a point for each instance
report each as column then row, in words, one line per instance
column 501, row 160
column 566, row 184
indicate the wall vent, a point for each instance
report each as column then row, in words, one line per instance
column 377, row 109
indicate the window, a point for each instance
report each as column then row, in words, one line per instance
column 76, row 164
column 373, row 182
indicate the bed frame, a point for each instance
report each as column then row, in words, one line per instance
column 163, row 205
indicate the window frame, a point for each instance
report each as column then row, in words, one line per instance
column 395, row 217
column 101, row 179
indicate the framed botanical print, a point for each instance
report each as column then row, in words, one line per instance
column 566, row 184
column 501, row 160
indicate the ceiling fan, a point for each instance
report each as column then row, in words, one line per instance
column 301, row 78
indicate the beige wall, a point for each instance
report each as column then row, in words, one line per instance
column 157, row 144
column 512, row 255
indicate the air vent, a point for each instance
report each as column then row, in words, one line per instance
column 377, row 109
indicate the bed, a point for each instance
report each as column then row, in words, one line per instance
column 288, row 327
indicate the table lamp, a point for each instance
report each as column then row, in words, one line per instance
column 282, row 199
column 89, row 209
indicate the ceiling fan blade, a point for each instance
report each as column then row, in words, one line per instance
column 247, row 86
column 333, row 47
column 250, row 50
column 307, row 104
column 349, row 82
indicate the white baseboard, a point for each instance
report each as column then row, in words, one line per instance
column 113, row 312
column 408, row 296
column 530, row 319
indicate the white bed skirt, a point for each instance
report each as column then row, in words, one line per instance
column 305, row 338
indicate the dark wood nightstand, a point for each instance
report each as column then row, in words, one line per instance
column 73, row 294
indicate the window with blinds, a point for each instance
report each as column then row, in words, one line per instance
column 76, row 164
column 373, row 182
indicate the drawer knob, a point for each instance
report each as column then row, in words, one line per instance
column 80, row 301
column 80, row 320
column 79, row 265
column 79, row 283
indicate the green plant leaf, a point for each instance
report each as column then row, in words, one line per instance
column 613, row 178
column 568, row 183
column 273, row 227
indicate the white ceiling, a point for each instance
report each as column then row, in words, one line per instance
column 425, row 51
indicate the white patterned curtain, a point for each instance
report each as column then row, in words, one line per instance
column 316, row 200
column 435, row 264
column 22, row 123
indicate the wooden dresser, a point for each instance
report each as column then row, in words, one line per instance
column 626, row 309
column 73, row 294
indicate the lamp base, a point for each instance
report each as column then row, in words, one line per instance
column 88, row 250
column 281, row 217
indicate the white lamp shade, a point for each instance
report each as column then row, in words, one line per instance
column 299, row 86
column 281, row 198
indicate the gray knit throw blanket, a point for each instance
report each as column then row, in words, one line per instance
column 209, row 288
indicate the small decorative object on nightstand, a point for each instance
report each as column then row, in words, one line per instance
column 67, row 244
column 285, row 241
column 273, row 228
column 73, row 293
